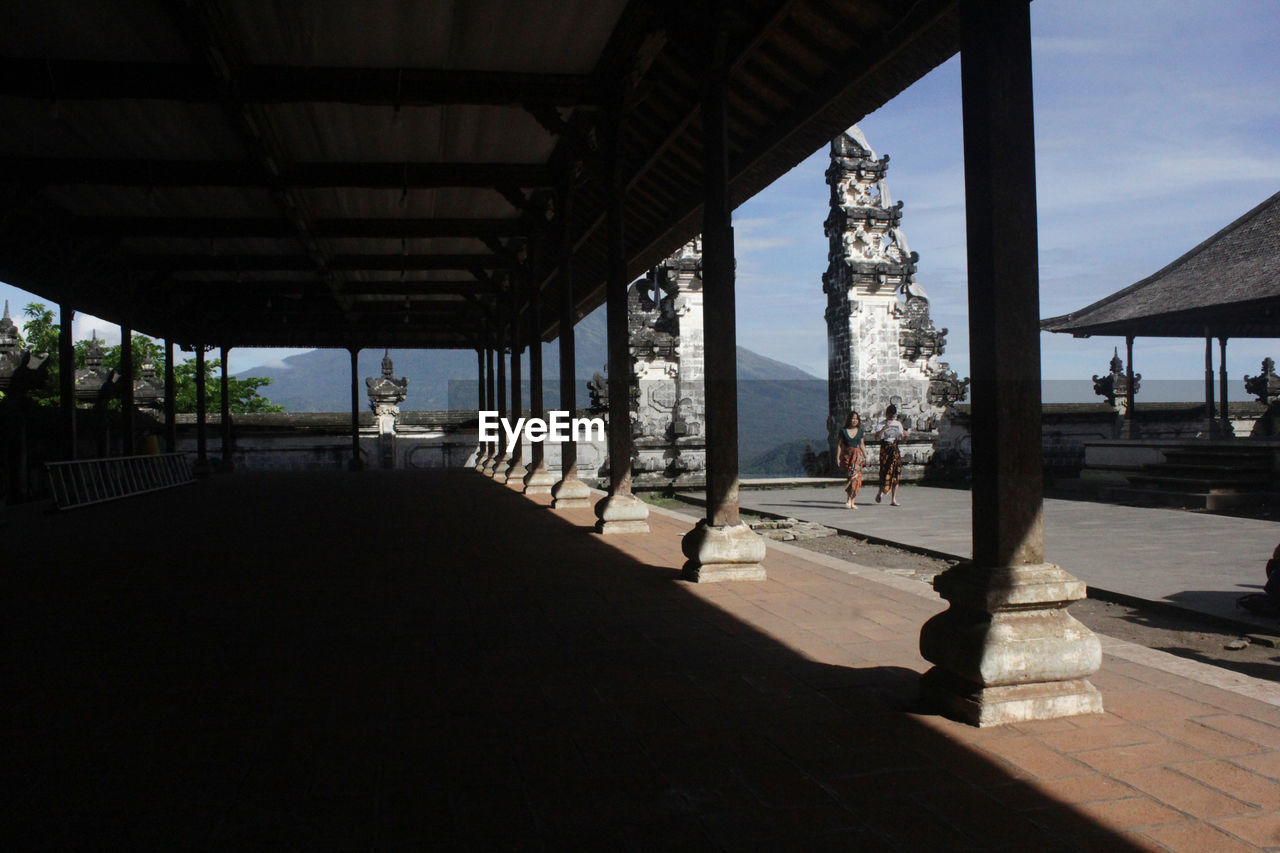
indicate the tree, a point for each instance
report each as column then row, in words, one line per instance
column 41, row 335
column 243, row 392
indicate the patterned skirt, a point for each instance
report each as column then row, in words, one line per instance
column 851, row 459
column 890, row 466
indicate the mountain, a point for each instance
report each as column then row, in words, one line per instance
column 320, row 380
column 778, row 403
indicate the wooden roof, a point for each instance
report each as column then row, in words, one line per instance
column 1228, row 285
column 383, row 173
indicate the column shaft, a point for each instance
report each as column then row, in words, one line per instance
column 126, row 396
column 170, row 404
column 355, row 463
column 498, row 466
column 67, row 379
column 720, row 547
column 1209, row 412
column 1006, row 650
column 202, row 414
column 621, row 511
column 1131, row 412
column 224, row 414
column 516, row 469
column 1223, row 413
column 569, row 491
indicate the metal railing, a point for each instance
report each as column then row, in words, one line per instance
column 81, row 482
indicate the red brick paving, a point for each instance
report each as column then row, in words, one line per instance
column 430, row 661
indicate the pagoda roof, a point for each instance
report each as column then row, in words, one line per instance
column 1228, row 286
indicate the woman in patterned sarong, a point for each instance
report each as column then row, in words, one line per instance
column 889, row 431
column 853, row 457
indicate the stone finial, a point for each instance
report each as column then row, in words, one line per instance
column 1115, row 384
column 1266, row 385
column 386, row 391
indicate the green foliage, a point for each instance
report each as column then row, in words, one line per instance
column 41, row 335
column 243, row 393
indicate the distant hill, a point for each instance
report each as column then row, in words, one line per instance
column 320, row 380
column 778, row 403
column 782, row 460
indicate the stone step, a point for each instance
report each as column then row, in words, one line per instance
column 1184, row 499
column 1187, row 482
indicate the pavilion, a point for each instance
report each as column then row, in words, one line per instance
column 481, row 174
column 1226, row 287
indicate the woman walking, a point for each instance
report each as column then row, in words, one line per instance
column 888, row 431
column 853, row 456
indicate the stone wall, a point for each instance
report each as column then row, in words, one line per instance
column 1067, row 428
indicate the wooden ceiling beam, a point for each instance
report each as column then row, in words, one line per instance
column 222, row 173
column 299, row 262
column 75, row 80
column 270, row 228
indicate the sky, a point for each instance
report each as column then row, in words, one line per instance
column 1157, row 123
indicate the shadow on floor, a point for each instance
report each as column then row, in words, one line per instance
column 425, row 660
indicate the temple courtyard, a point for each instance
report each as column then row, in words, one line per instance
column 1194, row 560
column 429, row 660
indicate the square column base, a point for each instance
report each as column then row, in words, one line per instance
column 1014, row 703
column 623, row 513
column 570, row 494
column 539, row 481
column 729, row 553
column 516, row 474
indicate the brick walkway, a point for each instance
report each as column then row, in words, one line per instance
column 408, row 660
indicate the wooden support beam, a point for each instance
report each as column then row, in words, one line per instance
column 74, row 80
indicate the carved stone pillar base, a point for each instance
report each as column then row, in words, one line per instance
column 568, row 494
column 481, row 454
column 1007, row 650
column 491, row 465
column 498, row 471
column 539, row 481
column 728, row 553
column 622, row 514
column 516, row 474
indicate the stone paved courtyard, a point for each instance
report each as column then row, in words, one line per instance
column 1195, row 560
column 417, row 660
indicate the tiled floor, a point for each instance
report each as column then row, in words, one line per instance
column 408, row 660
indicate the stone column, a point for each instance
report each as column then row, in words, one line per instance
column 170, row 404
column 720, row 547
column 1224, row 414
column 355, row 463
column 570, row 492
column 496, row 467
column 226, row 466
column 1130, row 410
column 539, row 480
column 516, row 470
column 202, row 427
column 620, row 511
column 67, row 379
column 1006, row 650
